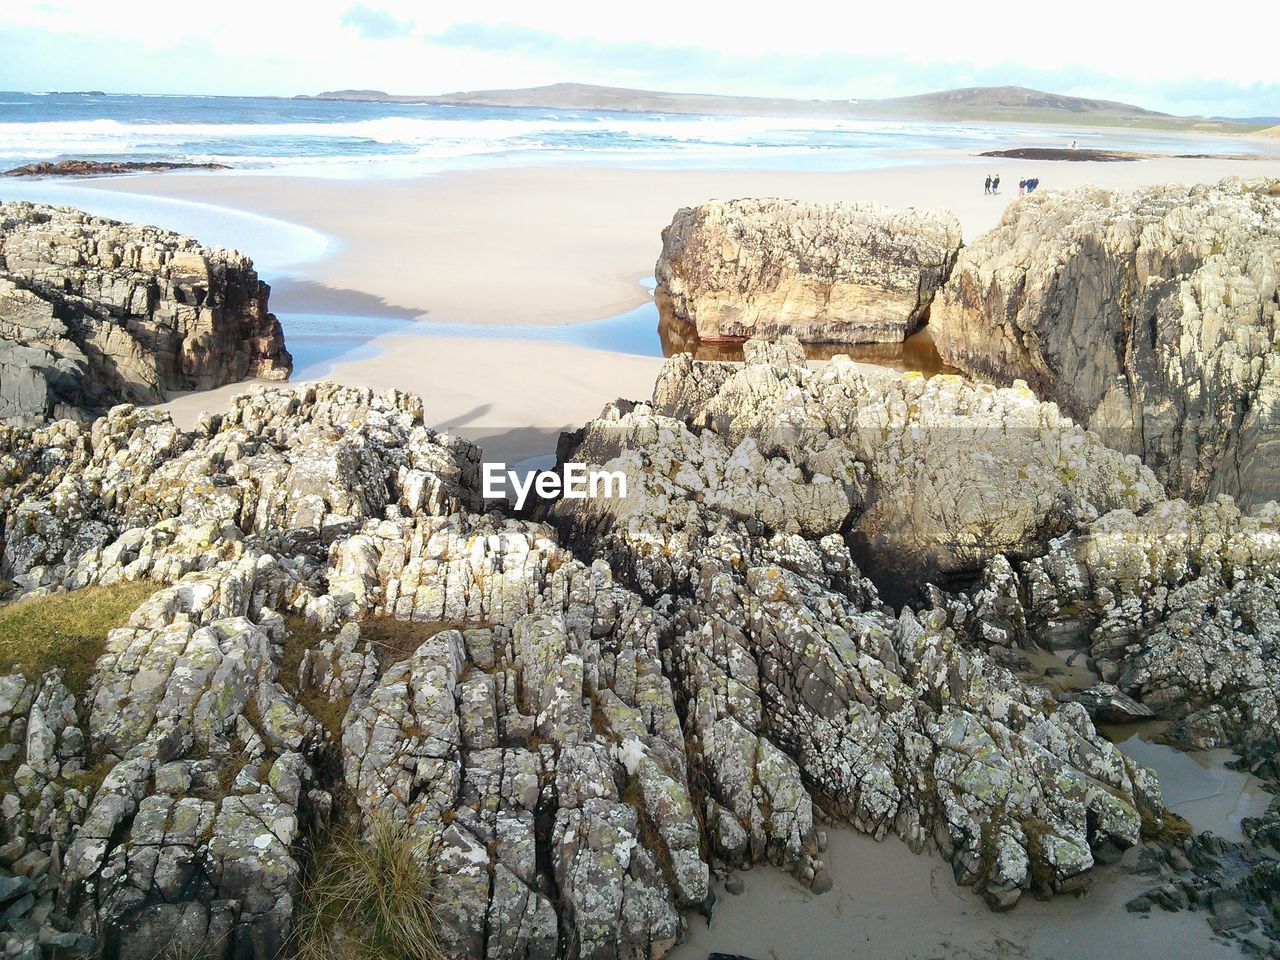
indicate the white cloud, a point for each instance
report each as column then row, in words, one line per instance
column 285, row 48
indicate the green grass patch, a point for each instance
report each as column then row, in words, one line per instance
column 368, row 899
column 302, row 635
column 395, row 640
column 91, row 779
column 67, row 630
column 391, row 641
column 1167, row 828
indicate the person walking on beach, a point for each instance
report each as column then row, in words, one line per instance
column 995, row 183
column 1022, row 187
column 1032, row 184
column 986, row 187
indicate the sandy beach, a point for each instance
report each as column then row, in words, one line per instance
column 563, row 245
column 511, row 396
column 554, row 246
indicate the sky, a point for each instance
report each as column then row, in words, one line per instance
column 1181, row 57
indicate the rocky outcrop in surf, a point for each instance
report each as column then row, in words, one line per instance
column 576, row 737
column 94, row 313
column 825, row 273
column 1151, row 317
column 101, row 168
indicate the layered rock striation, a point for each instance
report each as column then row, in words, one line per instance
column 1150, row 317
column 94, row 313
column 825, row 273
column 577, row 735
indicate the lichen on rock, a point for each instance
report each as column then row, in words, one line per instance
column 576, row 737
column 1151, row 317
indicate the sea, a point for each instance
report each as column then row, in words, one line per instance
column 353, row 139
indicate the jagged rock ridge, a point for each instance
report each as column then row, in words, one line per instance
column 928, row 479
column 577, row 748
column 95, row 313
column 1178, row 607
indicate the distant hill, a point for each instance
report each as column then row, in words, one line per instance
column 1020, row 98
column 1270, row 131
column 1014, row 104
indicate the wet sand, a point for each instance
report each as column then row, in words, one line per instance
column 1200, row 788
column 890, row 904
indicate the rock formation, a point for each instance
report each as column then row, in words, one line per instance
column 1178, row 607
column 826, row 273
column 95, row 313
column 579, row 736
column 929, row 479
column 99, row 168
column 1150, row 317
column 583, row 714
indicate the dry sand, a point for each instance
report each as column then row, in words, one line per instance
column 513, row 397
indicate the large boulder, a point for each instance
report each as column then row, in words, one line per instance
column 95, row 313
column 825, row 272
column 1150, row 317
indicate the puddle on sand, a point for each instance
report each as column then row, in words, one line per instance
column 1051, row 670
column 1198, row 786
column 319, row 341
column 916, row 354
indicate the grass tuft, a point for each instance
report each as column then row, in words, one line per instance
column 368, row 899
column 1168, row 827
column 67, row 630
column 301, row 635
